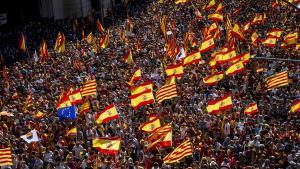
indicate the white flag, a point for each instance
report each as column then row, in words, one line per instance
column 31, row 136
column 181, row 54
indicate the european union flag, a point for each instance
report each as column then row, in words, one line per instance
column 67, row 112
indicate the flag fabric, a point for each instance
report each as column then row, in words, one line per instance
column 108, row 114
column 295, row 107
column 212, row 28
column 39, row 115
column 215, row 17
column 167, row 91
column 181, row 1
column 251, row 109
column 234, row 68
column 210, row 5
column 245, row 58
column 161, row 136
column 6, row 157
column 163, row 25
column 275, row 33
column 183, row 150
column 181, row 54
column 175, row 70
column 141, row 88
column 44, row 51
column 107, row 145
column 60, row 43
column 104, row 40
column 89, row 88
column 142, row 99
column 246, row 27
column 99, row 26
column 259, row 18
column 213, row 79
column 22, row 43
column 219, row 8
column 128, row 57
column 64, row 101
column 90, row 38
column 277, row 80
column 224, row 57
column 85, row 107
column 220, row 104
column 207, row 44
column 31, row 137
column 191, row 58
column 67, row 113
column 289, row 40
column 75, row 97
column 72, row 132
column 128, row 26
column 135, row 77
column 237, row 32
column 150, row 125
column 254, row 38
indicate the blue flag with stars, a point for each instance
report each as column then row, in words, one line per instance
column 67, row 113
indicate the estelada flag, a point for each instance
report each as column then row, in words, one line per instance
column 104, row 40
column 213, row 79
column 75, row 97
column 106, row 145
column 270, row 41
column 60, row 43
column 142, row 99
column 215, row 17
column 150, row 125
column 223, row 103
column 128, row 57
column 234, row 68
column 295, row 107
column 237, row 32
column 22, row 43
column 175, row 70
column 72, row 132
column 210, row 5
column 207, row 44
column 135, row 77
column 108, row 114
column 44, row 51
column 193, row 57
column 141, row 88
column 99, row 26
column 254, row 38
column 251, row 109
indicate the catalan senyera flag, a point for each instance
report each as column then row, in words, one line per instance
column 89, row 88
column 183, row 150
column 135, row 77
column 254, row 38
column 141, row 88
column 275, row 33
column 251, row 109
column 244, row 57
column 193, row 57
column 215, row 17
column 128, row 57
column 277, row 80
column 90, row 38
column 246, row 27
column 60, row 43
column 104, row 40
column 207, row 44
column 163, row 25
column 213, row 79
column 295, row 107
column 44, row 51
column 210, row 5
column 6, row 157
column 219, row 8
column 175, row 70
column 22, row 43
column 237, row 32
column 150, row 125
column 85, row 107
column 109, row 113
column 222, row 103
column 107, row 145
column 167, row 91
column 142, row 99
column 72, row 132
column 234, row 68
column 270, row 41
column 99, row 26
column 225, row 57
column 75, row 97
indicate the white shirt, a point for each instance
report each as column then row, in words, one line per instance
column 227, row 129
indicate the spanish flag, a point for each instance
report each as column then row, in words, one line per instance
column 163, row 139
column 107, row 145
column 251, row 109
column 254, row 38
column 270, row 41
column 142, row 99
column 108, row 114
column 150, row 125
column 212, row 62
column 104, row 40
column 213, row 79
column 99, row 26
column 237, row 32
column 210, row 5
column 212, row 28
column 259, row 18
column 235, row 68
column 295, row 107
column 39, row 115
column 215, row 17
column 207, row 44
column 246, row 27
column 141, row 88
column 193, row 57
column 219, row 8
column 291, row 38
column 22, row 43
column 72, row 132
column 181, row 1
column 223, row 103
column 245, row 58
column 225, row 57
column 75, row 97
column 275, row 33
column 135, row 77
column 60, row 43
column 185, row 149
column 175, row 70
column 217, row 33
column 128, row 57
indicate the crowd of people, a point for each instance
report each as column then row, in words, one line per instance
column 268, row 139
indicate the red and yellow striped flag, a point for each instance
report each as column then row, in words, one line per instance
column 104, row 40
column 183, row 150
column 193, row 57
column 207, row 44
column 254, row 38
column 175, row 70
column 277, row 80
column 167, row 91
column 237, row 32
column 107, row 145
column 215, row 17
column 85, row 108
column 181, row 1
column 60, row 43
column 150, row 125
column 219, row 8
column 245, row 58
column 44, row 51
column 142, row 99
column 108, row 114
column 135, row 77
column 90, row 38
column 223, row 103
column 210, row 5
column 225, row 56
column 141, row 88
column 246, row 27
column 235, row 68
column 163, row 25
column 274, row 33
column 22, row 43
column 213, row 78
column 295, row 107
column 251, row 109
column 128, row 57
column 6, row 157
column 89, row 88
column 72, row 132
column 99, row 26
